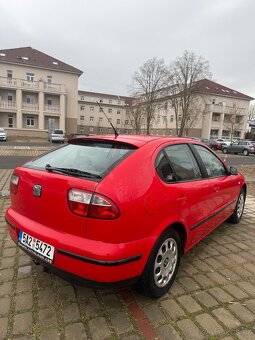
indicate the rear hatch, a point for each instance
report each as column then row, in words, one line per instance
column 44, row 184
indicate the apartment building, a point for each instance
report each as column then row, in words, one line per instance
column 219, row 111
column 94, row 110
column 37, row 93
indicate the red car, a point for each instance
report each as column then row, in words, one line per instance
column 105, row 209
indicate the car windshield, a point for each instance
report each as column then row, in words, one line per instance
column 59, row 132
column 2, row 130
column 95, row 158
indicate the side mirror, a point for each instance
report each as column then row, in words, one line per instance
column 233, row 171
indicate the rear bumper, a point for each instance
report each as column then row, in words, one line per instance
column 86, row 261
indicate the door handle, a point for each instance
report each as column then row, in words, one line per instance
column 216, row 188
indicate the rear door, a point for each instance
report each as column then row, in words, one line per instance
column 188, row 190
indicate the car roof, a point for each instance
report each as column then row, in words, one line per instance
column 136, row 140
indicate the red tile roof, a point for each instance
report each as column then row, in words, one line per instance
column 210, row 87
column 32, row 57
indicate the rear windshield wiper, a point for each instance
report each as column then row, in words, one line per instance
column 71, row 171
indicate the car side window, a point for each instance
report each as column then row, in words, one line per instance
column 183, row 162
column 213, row 165
column 164, row 169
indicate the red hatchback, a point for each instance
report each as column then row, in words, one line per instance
column 106, row 210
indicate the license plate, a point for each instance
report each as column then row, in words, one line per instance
column 38, row 247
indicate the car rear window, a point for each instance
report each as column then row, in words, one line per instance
column 94, row 157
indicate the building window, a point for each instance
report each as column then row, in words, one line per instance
column 10, row 121
column 214, row 101
column 91, row 119
column 101, row 109
column 49, row 79
column 179, row 118
column 49, row 101
column 119, row 102
column 82, row 97
column 109, row 130
column 118, row 112
column 126, row 131
column 9, row 74
column 81, row 117
column 214, row 134
column 9, row 97
column 91, row 129
column 30, row 77
column 126, row 122
column 216, row 117
column 118, row 121
column 91, row 109
column 101, row 100
column 109, row 110
column 30, row 121
column 225, row 133
column 171, row 118
column 100, row 119
column 82, row 107
column 100, row 130
column 30, row 99
column 110, row 101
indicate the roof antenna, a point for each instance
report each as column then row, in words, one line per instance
column 115, row 131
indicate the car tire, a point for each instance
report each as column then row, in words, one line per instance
column 225, row 150
column 156, row 279
column 238, row 212
column 245, row 152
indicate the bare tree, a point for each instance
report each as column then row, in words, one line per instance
column 184, row 76
column 233, row 120
column 251, row 113
column 148, row 84
column 136, row 114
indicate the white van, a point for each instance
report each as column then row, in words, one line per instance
column 57, row 136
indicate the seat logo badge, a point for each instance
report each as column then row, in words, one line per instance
column 37, row 190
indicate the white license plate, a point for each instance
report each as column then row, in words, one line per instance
column 40, row 248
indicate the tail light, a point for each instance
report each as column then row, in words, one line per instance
column 87, row 204
column 14, row 184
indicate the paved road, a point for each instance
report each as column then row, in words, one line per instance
column 10, row 162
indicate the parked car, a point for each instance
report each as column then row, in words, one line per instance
column 107, row 209
column 244, row 147
column 211, row 143
column 57, row 135
column 3, row 134
column 223, row 141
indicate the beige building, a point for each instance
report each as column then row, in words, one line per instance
column 220, row 110
column 91, row 109
column 217, row 106
column 37, row 92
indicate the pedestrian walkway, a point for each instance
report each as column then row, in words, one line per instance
column 213, row 296
column 5, row 177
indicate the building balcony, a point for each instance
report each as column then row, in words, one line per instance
column 30, row 107
column 7, row 104
column 8, row 82
column 31, row 85
column 52, row 108
column 221, row 108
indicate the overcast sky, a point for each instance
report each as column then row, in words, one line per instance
column 109, row 39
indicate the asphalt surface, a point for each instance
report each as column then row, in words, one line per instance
column 10, row 162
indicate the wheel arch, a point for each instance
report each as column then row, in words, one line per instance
column 182, row 232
